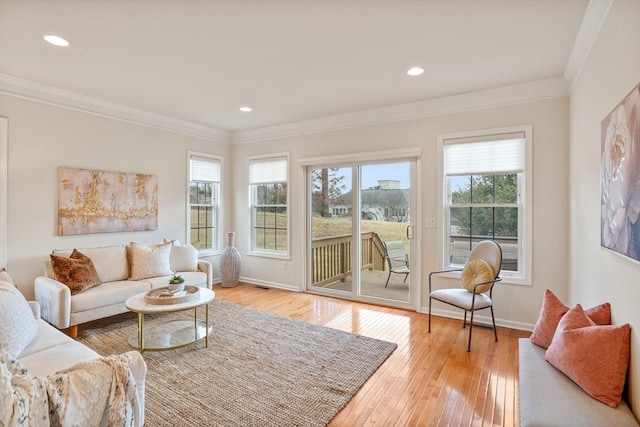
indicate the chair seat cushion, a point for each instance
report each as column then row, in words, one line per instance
column 461, row 298
column 401, row 270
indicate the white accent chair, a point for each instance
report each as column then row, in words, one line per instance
column 479, row 297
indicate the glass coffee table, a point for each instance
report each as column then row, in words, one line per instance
column 172, row 333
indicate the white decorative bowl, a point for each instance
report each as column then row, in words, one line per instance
column 176, row 287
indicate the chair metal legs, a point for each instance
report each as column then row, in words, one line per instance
column 429, row 328
column 464, row 324
column 493, row 320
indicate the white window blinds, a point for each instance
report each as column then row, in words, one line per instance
column 263, row 171
column 204, row 169
column 484, row 157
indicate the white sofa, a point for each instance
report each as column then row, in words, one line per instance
column 114, row 265
column 48, row 377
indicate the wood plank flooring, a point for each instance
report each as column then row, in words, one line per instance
column 430, row 380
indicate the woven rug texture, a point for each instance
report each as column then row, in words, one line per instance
column 260, row 369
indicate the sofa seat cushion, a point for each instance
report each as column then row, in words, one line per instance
column 107, row 294
column 193, row 278
column 53, row 351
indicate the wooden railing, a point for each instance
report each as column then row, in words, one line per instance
column 331, row 257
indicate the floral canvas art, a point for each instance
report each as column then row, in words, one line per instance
column 620, row 177
column 91, row 201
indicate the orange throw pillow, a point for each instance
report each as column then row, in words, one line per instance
column 552, row 311
column 594, row 357
column 77, row 271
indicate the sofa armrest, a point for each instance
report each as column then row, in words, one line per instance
column 35, row 307
column 55, row 301
column 206, row 267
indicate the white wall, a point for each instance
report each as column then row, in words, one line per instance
column 43, row 137
column 516, row 306
column 610, row 72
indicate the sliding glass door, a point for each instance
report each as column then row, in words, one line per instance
column 360, row 228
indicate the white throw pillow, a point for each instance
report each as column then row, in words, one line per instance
column 18, row 326
column 183, row 258
column 150, row 261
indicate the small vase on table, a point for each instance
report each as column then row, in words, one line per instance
column 230, row 263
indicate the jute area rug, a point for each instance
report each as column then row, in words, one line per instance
column 260, row 369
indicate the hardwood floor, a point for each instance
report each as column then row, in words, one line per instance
column 430, row 380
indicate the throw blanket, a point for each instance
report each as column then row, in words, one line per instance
column 100, row 392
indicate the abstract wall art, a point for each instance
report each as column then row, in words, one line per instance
column 620, row 177
column 92, row 201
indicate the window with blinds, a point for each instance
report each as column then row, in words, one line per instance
column 204, row 199
column 484, row 188
column 268, row 186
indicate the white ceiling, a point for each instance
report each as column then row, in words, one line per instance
column 292, row 61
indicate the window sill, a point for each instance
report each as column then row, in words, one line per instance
column 205, row 253
column 507, row 280
column 269, row 254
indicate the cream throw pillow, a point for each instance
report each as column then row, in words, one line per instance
column 18, row 327
column 149, row 261
column 477, row 271
column 183, row 258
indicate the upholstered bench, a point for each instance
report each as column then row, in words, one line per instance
column 550, row 398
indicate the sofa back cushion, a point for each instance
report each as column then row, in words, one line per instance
column 110, row 261
column 18, row 326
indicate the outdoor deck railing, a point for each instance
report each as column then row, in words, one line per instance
column 331, row 257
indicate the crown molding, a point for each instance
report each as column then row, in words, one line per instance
column 506, row 95
column 16, row 86
column 592, row 21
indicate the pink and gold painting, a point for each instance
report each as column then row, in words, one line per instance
column 91, row 201
column 620, row 177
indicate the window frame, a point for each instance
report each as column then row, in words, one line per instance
column 263, row 252
column 216, row 211
column 524, row 199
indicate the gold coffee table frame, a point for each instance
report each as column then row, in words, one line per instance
column 170, row 334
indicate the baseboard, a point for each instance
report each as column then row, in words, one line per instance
column 479, row 319
column 267, row 284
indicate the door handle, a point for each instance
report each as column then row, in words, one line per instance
column 409, row 232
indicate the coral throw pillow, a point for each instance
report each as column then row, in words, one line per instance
column 594, row 357
column 477, row 271
column 77, row 271
column 552, row 311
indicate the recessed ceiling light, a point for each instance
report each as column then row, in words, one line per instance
column 246, row 109
column 415, row 71
column 56, row 40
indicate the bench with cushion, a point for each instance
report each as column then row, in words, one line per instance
column 573, row 368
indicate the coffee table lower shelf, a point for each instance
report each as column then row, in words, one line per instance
column 169, row 334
